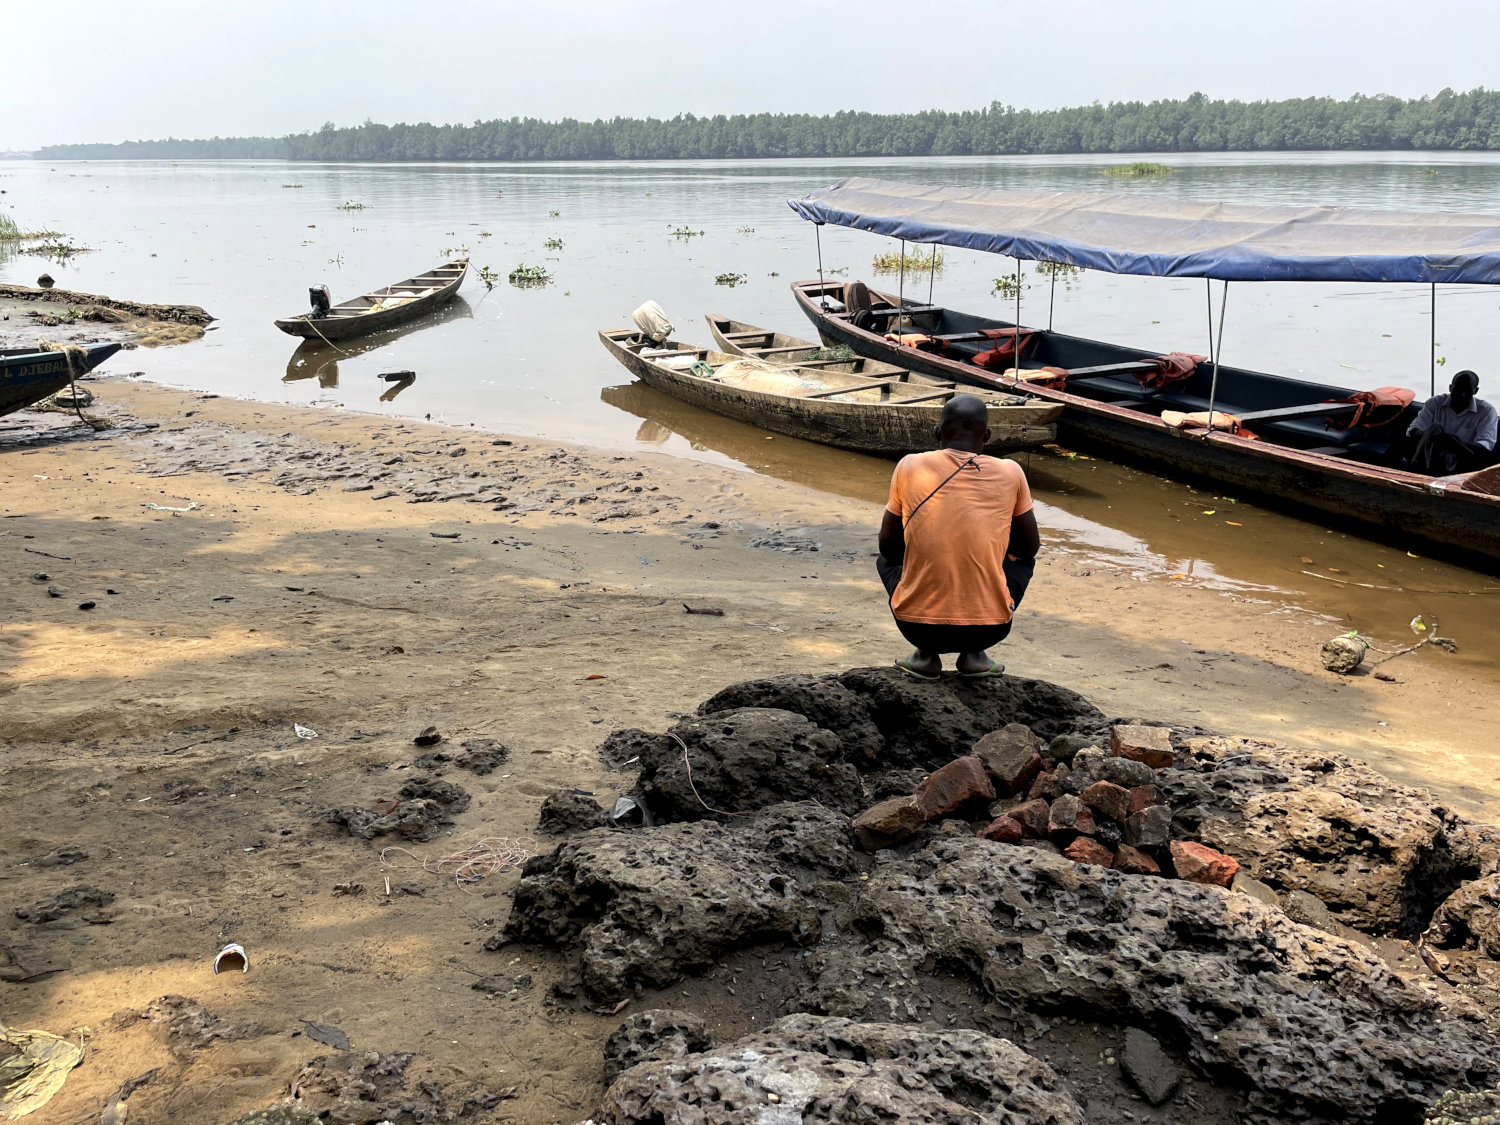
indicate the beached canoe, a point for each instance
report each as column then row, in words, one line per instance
column 888, row 415
column 395, row 304
column 1300, row 459
column 28, row 376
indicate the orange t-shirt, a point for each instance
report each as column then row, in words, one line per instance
column 954, row 572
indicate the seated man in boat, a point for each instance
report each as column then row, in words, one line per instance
column 1455, row 433
column 958, row 546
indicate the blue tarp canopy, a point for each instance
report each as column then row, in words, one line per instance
column 1164, row 237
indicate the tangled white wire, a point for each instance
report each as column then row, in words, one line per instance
column 489, row 856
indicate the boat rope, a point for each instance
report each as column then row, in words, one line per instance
column 324, row 338
column 76, row 359
column 1213, row 389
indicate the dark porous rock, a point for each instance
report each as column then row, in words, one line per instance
column 889, row 822
column 1065, row 747
column 826, row 1069
column 1149, row 828
column 453, row 798
column 1469, row 918
column 648, row 905
column 1147, row 1066
column 65, row 902
column 1304, row 908
column 819, row 699
column 926, row 725
column 626, row 749
column 654, row 1035
column 805, row 838
column 186, row 1026
column 356, row 1087
column 1313, row 1024
column 1012, row 757
column 1126, row 772
column 565, row 812
column 65, row 856
column 411, row 820
column 893, row 783
column 948, row 789
column 482, row 756
column 746, row 760
column 1382, row 856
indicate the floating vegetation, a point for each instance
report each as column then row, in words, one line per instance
column 1139, row 168
column 489, row 277
column 291, row 185
column 554, row 214
column 835, row 351
column 350, row 205
column 1005, row 287
column 55, row 249
column 747, row 230
column 685, row 232
column 461, row 251
column 730, row 279
column 529, row 277
column 552, row 244
column 485, row 234
column 1060, row 269
column 915, row 262
column 842, row 271
column 1429, row 171
column 9, row 232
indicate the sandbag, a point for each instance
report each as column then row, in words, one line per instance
column 652, row 321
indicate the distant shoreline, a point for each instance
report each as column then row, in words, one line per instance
column 1446, row 121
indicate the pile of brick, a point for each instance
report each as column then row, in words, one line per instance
column 1094, row 807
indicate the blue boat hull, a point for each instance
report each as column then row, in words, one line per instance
column 28, row 376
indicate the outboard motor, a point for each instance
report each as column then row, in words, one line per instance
column 321, row 301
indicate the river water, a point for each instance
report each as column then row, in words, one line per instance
column 246, row 239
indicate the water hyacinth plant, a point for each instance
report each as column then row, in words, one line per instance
column 916, row 261
column 529, row 277
column 1139, row 168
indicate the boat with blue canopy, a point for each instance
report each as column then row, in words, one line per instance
column 1319, row 450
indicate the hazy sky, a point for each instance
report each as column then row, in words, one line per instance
column 97, row 71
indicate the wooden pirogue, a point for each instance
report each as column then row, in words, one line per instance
column 28, row 375
column 406, row 300
column 849, row 403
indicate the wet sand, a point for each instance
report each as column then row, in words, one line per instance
column 154, row 731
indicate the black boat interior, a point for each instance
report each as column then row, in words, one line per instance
column 1288, row 412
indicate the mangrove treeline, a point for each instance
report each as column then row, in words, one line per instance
column 1447, row 120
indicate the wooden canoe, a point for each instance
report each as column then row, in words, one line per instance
column 1298, row 462
column 886, row 420
column 28, row 376
column 395, row 304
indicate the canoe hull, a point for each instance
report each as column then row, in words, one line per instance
column 882, row 431
column 345, row 322
column 1404, row 509
column 28, row 377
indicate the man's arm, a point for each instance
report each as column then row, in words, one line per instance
column 1025, row 537
column 1485, row 438
column 892, row 538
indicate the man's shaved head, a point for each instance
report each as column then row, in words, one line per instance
column 1462, row 390
column 965, row 424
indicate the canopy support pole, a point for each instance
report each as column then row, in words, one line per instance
column 901, row 291
column 1052, row 300
column 1432, row 346
column 1015, row 336
column 932, row 273
column 822, row 296
column 1213, row 390
column 1208, row 291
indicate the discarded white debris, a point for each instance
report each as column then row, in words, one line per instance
column 304, row 732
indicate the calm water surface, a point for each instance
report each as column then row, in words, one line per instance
column 240, row 240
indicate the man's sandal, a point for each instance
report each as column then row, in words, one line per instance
column 995, row 669
column 905, row 665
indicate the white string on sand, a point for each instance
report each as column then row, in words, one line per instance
column 489, row 856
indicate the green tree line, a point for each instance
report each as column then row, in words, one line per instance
column 1447, row 120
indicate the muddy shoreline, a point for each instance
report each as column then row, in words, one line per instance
column 245, row 577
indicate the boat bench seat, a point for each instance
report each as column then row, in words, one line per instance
column 1109, row 388
column 1301, row 433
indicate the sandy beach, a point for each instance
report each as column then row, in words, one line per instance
column 247, row 567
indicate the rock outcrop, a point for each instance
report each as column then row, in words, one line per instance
column 815, row 1069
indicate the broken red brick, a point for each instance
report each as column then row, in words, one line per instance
column 1085, row 850
column 1198, row 863
column 961, row 780
column 1150, row 745
column 1006, row 829
column 1032, row 816
column 1132, row 861
column 1109, row 799
column 1143, row 797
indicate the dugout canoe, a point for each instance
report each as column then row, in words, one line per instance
column 1299, row 461
column 27, row 375
column 394, row 304
column 845, row 409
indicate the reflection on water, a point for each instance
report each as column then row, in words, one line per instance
column 319, row 359
column 1149, row 528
